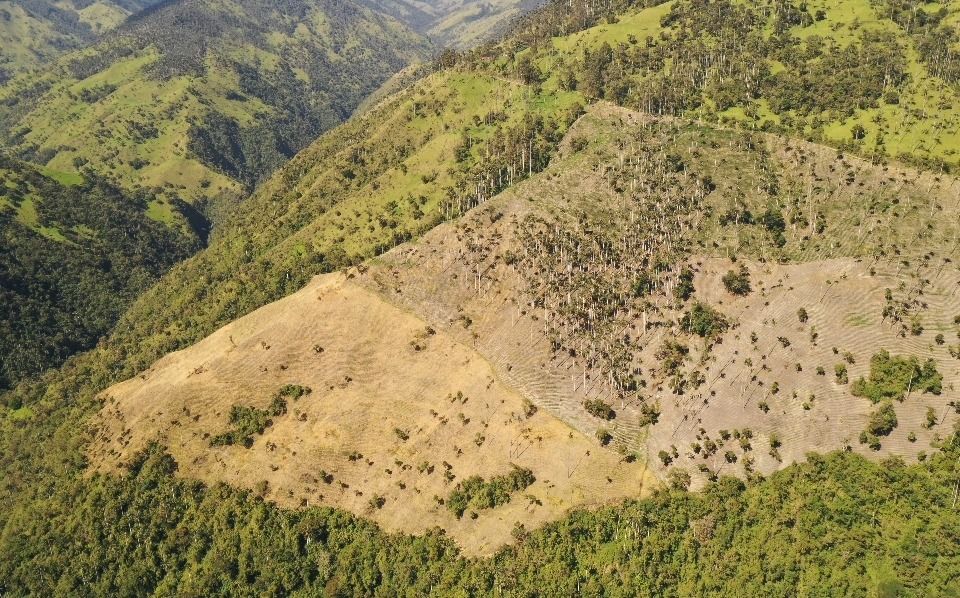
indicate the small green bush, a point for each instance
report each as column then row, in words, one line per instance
column 477, row 494
column 883, row 420
column 892, row 377
column 737, row 282
column 598, row 408
column 704, row 321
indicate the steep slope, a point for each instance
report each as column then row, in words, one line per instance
column 33, row 32
column 285, row 275
column 382, row 432
column 205, row 96
column 309, row 217
column 769, row 537
column 422, row 156
column 595, row 290
column 385, row 177
column 75, row 253
column 152, row 109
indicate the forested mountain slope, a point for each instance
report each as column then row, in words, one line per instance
column 33, row 32
column 202, row 97
column 75, row 253
column 877, row 77
column 622, row 275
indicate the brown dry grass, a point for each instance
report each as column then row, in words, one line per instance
column 369, row 380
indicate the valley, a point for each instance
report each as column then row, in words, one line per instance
column 210, row 108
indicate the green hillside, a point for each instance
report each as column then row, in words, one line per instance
column 33, row 32
column 204, row 97
column 838, row 524
column 377, row 181
column 75, row 253
column 878, row 78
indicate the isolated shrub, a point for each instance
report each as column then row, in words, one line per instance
column 679, row 479
column 704, row 321
column 248, row 421
column 672, row 354
column 840, row 371
column 477, row 494
column 883, row 420
column 737, row 282
column 773, row 221
column 643, row 285
column 604, row 437
column 598, row 408
column 684, row 289
column 892, row 377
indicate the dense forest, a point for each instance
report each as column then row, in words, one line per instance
column 73, row 257
column 838, row 524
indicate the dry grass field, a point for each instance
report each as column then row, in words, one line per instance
column 376, row 374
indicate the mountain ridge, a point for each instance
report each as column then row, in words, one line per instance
column 457, row 23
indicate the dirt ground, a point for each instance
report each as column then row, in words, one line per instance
column 844, row 299
column 806, row 410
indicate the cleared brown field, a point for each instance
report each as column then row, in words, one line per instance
column 376, row 375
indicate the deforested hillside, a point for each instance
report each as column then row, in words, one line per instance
column 836, row 506
column 333, row 396
column 203, row 97
column 450, row 141
column 632, row 292
column 75, row 254
column 637, row 292
column 33, row 32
